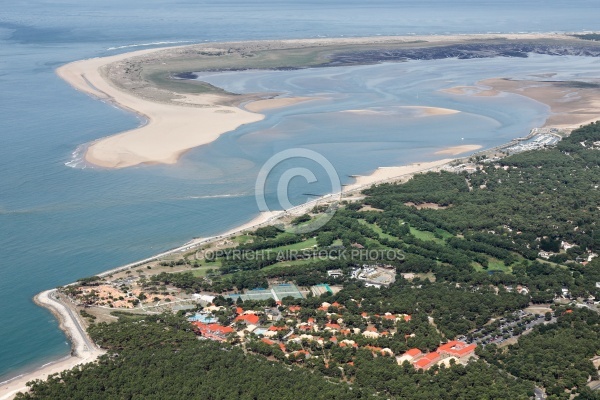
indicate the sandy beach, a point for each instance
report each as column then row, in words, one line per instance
column 171, row 129
column 401, row 173
column 83, row 350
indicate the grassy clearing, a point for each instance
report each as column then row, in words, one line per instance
column 429, row 236
column 309, row 243
column 378, row 230
column 201, row 271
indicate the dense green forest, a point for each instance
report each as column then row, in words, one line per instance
column 467, row 256
column 158, row 357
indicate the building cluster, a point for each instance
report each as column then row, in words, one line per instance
column 454, row 350
column 375, row 275
column 297, row 334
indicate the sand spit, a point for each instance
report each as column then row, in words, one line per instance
column 456, row 150
column 178, row 121
column 171, row 129
column 83, row 350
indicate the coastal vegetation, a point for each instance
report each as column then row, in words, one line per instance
column 515, row 232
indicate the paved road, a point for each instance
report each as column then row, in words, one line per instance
column 85, row 341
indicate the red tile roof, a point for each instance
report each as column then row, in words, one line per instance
column 333, row 326
column 413, row 353
column 456, row 348
column 239, row 310
column 407, row 318
column 277, row 328
column 427, row 361
column 294, row 308
column 267, row 341
column 213, row 331
column 248, row 318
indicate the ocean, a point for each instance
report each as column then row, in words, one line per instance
column 60, row 221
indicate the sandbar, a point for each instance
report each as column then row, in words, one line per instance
column 456, row 150
column 572, row 103
column 423, row 111
column 479, row 91
column 270, row 104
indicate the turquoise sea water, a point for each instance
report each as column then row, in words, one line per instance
column 59, row 223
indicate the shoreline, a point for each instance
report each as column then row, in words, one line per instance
column 83, row 350
column 68, row 322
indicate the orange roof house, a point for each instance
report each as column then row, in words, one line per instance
column 414, row 353
column 274, row 328
column 427, row 361
column 457, row 349
column 248, row 318
column 333, row 326
column 294, row 308
column 267, row 341
column 213, row 331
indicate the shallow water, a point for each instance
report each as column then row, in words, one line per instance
column 59, row 223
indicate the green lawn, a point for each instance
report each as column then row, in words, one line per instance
column 307, row 244
column 378, row 230
column 430, row 236
column 201, row 271
column 494, row 265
